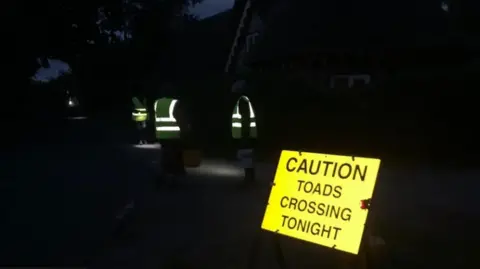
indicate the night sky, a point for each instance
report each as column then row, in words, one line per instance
column 206, row 9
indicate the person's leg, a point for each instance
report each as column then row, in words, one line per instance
column 246, row 161
column 143, row 133
column 139, row 132
column 177, row 159
column 249, row 175
column 167, row 163
column 181, row 162
column 166, row 151
column 250, row 170
column 174, row 166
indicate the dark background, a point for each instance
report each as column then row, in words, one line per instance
column 421, row 108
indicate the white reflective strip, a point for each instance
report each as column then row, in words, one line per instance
column 141, row 109
column 138, row 114
column 171, row 108
column 164, row 119
column 170, row 117
column 168, row 128
column 252, row 114
column 237, row 115
column 239, row 125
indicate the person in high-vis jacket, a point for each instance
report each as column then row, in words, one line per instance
column 244, row 130
column 140, row 116
column 170, row 128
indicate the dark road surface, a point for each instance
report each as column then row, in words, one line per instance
column 61, row 192
column 61, row 198
column 428, row 219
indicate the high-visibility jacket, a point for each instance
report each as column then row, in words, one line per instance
column 237, row 120
column 166, row 126
column 140, row 112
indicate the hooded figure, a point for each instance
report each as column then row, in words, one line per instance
column 244, row 129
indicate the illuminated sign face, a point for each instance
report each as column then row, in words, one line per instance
column 320, row 198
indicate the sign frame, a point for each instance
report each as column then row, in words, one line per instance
column 354, row 230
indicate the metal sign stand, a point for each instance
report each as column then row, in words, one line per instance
column 362, row 261
column 279, row 256
column 255, row 249
column 364, row 257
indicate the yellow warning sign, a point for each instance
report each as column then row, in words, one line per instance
column 318, row 198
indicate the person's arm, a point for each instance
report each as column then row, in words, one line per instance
column 180, row 116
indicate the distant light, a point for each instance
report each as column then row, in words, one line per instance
column 77, row 118
column 125, row 210
column 148, row 146
column 445, row 6
column 217, row 169
column 72, row 102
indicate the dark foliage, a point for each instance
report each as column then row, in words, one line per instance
column 110, row 45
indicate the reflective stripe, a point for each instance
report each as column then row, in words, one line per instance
column 237, row 115
column 170, row 117
column 237, row 120
column 164, row 119
column 168, row 128
column 165, row 123
column 140, row 113
column 239, row 125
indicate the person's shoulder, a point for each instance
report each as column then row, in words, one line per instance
column 178, row 103
column 244, row 98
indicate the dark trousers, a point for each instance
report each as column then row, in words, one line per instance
column 172, row 157
column 249, row 175
column 142, row 130
column 247, row 143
